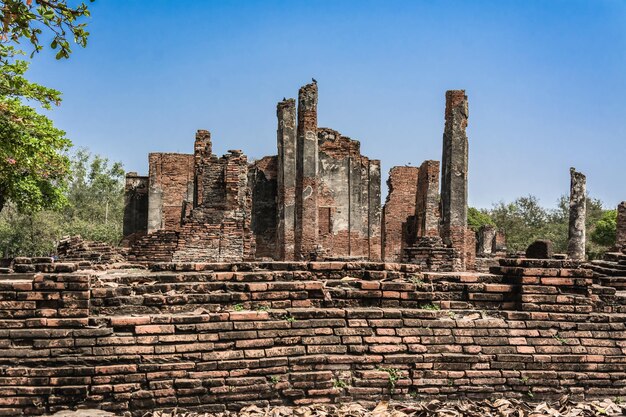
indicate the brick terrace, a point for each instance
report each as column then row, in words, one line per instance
column 216, row 336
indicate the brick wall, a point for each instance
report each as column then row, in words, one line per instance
column 220, row 336
column 171, row 181
column 399, row 206
column 218, row 227
column 349, row 217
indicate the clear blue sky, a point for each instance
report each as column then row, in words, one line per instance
column 546, row 82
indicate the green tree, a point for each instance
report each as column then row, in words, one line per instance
column 522, row 221
column 94, row 210
column 477, row 218
column 27, row 20
column 605, row 229
column 33, row 164
column 29, row 234
column 96, row 196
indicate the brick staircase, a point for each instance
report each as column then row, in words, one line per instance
column 611, row 270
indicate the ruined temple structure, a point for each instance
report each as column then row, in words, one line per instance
column 221, row 300
column 317, row 198
column 422, row 225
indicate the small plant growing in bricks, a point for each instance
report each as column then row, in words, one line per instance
column 394, row 376
column 238, row 307
column 262, row 308
column 290, row 319
column 451, row 314
column 524, row 380
column 338, row 383
column 618, row 400
column 530, row 394
column 430, row 306
column 559, row 339
column 274, row 379
column 417, row 281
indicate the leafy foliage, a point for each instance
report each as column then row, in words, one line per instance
column 33, row 166
column 33, row 161
column 525, row 220
column 477, row 218
column 94, row 210
column 28, row 19
column 522, row 220
column 605, row 229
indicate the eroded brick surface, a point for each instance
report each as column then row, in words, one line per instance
column 219, row 336
column 620, row 238
column 318, row 198
column 398, row 209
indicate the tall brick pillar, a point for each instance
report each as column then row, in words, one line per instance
column 427, row 200
column 577, row 215
column 454, row 177
column 620, row 237
column 286, row 181
column 202, row 151
column 306, row 173
column 374, row 211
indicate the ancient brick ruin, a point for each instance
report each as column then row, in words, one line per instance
column 318, row 198
column 281, row 281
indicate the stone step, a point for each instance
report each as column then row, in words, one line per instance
column 608, row 265
column 605, row 271
column 613, row 256
column 615, row 282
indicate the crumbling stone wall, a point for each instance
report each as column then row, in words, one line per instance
column 214, row 212
column 349, row 198
column 158, row 246
column 171, row 178
column 328, row 194
column 218, row 227
column 399, row 207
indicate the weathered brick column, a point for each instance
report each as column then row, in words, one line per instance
column 486, row 237
column 577, row 215
column 202, row 151
column 306, row 231
column 399, row 207
column 427, row 200
column 286, row 181
column 454, row 176
column 374, row 211
column 620, row 237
